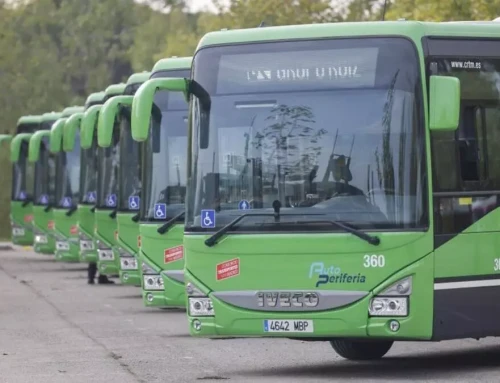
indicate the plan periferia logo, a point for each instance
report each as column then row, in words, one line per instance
column 332, row 274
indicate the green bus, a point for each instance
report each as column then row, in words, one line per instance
column 21, row 207
column 67, row 185
column 342, row 183
column 106, row 232
column 44, row 188
column 88, row 181
column 114, row 129
column 164, row 169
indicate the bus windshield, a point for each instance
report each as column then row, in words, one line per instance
column 45, row 174
column 129, row 171
column 68, row 176
column 23, row 176
column 88, row 174
column 108, row 160
column 325, row 127
column 164, row 158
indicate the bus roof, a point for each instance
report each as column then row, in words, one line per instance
column 31, row 119
column 95, row 98
column 52, row 116
column 139, row 77
column 416, row 29
column 172, row 63
column 71, row 109
column 115, row 89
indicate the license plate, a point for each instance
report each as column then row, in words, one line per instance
column 86, row 245
column 62, row 245
column 289, row 325
column 40, row 239
column 18, row 231
column 106, row 255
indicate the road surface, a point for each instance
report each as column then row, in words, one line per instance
column 56, row 328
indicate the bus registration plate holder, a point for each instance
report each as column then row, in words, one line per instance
column 288, row 325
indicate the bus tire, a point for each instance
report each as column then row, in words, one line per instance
column 361, row 350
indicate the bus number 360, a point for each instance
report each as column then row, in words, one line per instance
column 374, row 261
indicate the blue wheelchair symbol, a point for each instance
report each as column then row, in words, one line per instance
column 22, row 194
column 111, row 200
column 133, row 202
column 243, row 205
column 91, row 196
column 208, row 218
column 160, row 211
column 66, row 202
column 44, row 199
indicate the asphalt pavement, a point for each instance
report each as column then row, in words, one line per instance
column 56, row 328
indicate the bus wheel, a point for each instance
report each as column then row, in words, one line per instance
column 361, row 350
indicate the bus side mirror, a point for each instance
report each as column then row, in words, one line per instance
column 87, row 126
column 143, row 102
column 107, row 118
column 444, row 103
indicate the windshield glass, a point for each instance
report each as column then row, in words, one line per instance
column 164, row 156
column 45, row 173
column 107, row 175
column 23, row 174
column 88, row 173
column 327, row 127
column 130, row 182
column 68, row 176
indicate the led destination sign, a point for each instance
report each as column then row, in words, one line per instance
column 297, row 70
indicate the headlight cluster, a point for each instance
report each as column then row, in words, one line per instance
column 199, row 304
column 153, row 282
column 393, row 301
column 128, row 263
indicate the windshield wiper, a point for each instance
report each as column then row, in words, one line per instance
column 26, row 202
column 92, row 209
column 48, row 208
column 112, row 215
column 71, row 211
column 163, row 229
column 372, row 240
column 136, row 217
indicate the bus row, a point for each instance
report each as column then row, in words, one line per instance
column 326, row 182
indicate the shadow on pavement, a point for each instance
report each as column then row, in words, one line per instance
column 423, row 366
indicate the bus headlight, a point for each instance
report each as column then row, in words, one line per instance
column 153, row 282
column 201, row 307
column 389, row 306
column 128, row 263
column 393, row 301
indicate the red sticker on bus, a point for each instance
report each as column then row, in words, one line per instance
column 173, row 254
column 74, row 229
column 138, row 241
column 228, row 269
column 51, row 225
column 28, row 218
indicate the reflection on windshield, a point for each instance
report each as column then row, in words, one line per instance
column 22, row 176
column 68, row 176
column 88, row 174
column 130, row 182
column 353, row 152
column 164, row 159
column 45, row 175
column 107, row 181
